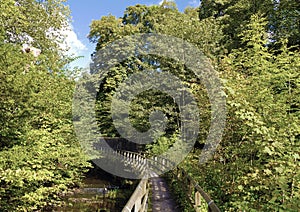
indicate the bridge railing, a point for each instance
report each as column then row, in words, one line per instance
column 194, row 192
column 139, row 199
column 139, row 161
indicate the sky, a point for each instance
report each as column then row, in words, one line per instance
column 83, row 12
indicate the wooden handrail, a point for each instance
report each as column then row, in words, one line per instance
column 139, row 198
column 193, row 187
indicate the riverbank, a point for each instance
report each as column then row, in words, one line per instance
column 100, row 191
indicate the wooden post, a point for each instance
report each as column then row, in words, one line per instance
column 137, row 205
column 145, row 199
column 197, row 200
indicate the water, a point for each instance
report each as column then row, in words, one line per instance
column 99, row 192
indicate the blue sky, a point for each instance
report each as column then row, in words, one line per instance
column 83, row 12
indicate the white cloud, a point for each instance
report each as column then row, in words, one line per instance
column 69, row 42
column 72, row 43
column 194, row 3
column 162, row 1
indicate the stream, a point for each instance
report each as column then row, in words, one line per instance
column 100, row 192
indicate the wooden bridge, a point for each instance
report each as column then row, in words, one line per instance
column 161, row 199
column 137, row 164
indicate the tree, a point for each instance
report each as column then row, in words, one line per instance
column 282, row 17
column 284, row 22
column 234, row 15
column 258, row 160
column 40, row 157
column 19, row 21
column 163, row 19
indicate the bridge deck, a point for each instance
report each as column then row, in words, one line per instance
column 162, row 199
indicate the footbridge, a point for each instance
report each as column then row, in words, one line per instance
column 152, row 192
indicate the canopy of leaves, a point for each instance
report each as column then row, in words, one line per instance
column 164, row 19
column 257, row 164
column 234, row 15
column 40, row 157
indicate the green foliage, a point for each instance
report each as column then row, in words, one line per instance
column 161, row 145
column 179, row 193
column 164, row 19
column 40, row 157
column 257, row 165
column 234, row 15
column 284, row 21
column 36, row 175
